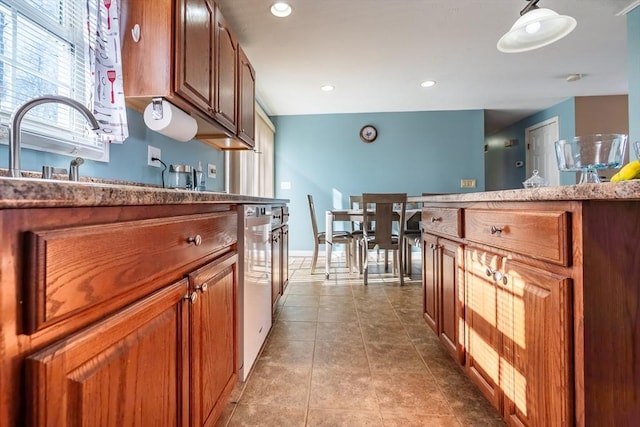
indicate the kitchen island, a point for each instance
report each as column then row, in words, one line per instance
column 118, row 303
column 536, row 294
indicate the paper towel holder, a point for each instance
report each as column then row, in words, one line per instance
column 158, row 112
column 167, row 119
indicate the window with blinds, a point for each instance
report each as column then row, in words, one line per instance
column 43, row 52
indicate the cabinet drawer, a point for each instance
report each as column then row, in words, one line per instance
column 442, row 220
column 104, row 267
column 539, row 234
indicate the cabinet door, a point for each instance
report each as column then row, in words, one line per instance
column 127, row 370
column 429, row 279
column 450, row 297
column 226, row 53
column 247, row 99
column 285, row 257
column 481, row 329
column 214, row 344
column 276, row 264
column 194, row 77
column 536, row 346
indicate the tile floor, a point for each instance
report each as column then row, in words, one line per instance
column 342, row 354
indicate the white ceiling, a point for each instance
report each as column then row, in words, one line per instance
column 376, row 53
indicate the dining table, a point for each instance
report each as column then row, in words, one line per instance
column 349, row 215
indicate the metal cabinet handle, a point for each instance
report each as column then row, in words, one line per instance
column 196, row 240
column 203, row 288
column 192, row 297
column 495, row 229
column 435, row 219
column 496, row 275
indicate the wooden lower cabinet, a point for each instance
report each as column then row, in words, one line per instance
column 167, row 360
column 481, row 324
column 443, row 292
column 276, row 268
column 214, row 343
column 128, row 369
column 518, row 326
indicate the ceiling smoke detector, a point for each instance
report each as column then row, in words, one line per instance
column 574, row 77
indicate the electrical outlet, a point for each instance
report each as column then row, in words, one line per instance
column 467, row 183
column 153, row 152
column 212, row 170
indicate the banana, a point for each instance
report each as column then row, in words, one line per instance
column 629, row 171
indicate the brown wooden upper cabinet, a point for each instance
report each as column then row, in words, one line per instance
column 247, row 89
column 188, row 54
column 226, row 111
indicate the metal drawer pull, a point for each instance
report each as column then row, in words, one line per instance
column 497, row 275
column 193, row 297
column 203, row 288
column 435, row 219
column 495, row 230
column 197, row 240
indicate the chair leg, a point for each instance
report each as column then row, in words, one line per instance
column 315, row 258
column 394, row 266
column 386, row 260
column 400, row 271
column 354, row 250
column 365, row 263
column 347, row 252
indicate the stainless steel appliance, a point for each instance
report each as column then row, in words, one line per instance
column 254, row 241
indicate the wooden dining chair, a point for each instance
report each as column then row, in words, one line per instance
column 387, row 212
column 319, row 238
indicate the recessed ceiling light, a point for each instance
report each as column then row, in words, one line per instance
column 326, row 88
column 428, row 83
column 281, row 9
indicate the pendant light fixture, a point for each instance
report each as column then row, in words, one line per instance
column 536, row 27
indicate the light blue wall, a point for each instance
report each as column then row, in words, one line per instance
column 633, row 46
column 128, row 161
column 500, row 161
column 415, row 152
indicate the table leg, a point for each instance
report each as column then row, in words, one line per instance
column 329, row 242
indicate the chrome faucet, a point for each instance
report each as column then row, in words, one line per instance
column 74, row 169
column 18, row 114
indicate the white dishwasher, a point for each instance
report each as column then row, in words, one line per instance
column 254, row 241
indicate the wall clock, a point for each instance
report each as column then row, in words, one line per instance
column 368, row 133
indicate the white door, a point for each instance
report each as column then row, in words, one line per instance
column 541, row 154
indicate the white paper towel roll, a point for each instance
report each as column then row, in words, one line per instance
column 174, row 123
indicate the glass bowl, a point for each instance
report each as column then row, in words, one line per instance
column 589, row 153
column 535, row 181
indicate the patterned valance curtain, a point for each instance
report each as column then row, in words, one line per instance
column 105, row 59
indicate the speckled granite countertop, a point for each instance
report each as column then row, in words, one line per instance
column 30, row 193
column 33, row 192
column 627, row 190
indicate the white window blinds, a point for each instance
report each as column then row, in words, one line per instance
column 43, row 52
